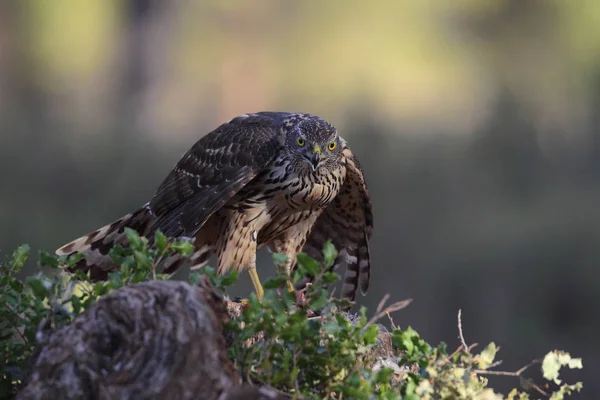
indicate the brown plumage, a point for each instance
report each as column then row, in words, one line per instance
column 283, row 180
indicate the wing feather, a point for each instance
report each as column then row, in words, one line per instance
column 213, row 171
column 348, row 223
column 204, row 179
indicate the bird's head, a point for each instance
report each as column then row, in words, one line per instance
column 313, row 144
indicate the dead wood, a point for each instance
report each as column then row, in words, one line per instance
column 153, row 340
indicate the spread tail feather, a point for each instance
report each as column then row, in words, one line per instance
column 364, row 265
column 196, row 260
column 96, row 246
column 352, row 273
column 358, row 269
column 105, row 238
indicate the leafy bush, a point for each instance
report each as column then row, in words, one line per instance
column 303, row 346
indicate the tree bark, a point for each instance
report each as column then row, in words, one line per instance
column 153, row 340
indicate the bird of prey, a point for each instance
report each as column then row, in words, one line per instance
column 283, row 180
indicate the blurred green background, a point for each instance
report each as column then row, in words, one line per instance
column 477, row 124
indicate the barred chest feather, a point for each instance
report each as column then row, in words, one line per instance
column 287, row 198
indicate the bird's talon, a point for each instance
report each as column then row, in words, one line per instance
column 245, row 303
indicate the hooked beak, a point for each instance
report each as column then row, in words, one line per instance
column 314, row 160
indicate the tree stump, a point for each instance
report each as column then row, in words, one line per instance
column 153, row 340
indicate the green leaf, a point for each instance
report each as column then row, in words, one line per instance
column 134, row 239
column 566, row 389
column 116, row 279
column 329, row 254
column 294, row 374
column 408, row 340
column 12, row 299
column 195, row 278
column 342, row 304
column 19, row 257
column 141, row 259
column 208, row 271
column 486, row 357
column 128, row 266
column 330, row 277
column 117, row 254
column 37, row 287
column 71, row 260
column 46, row 260
column 554, row 360
column 230, row 279
column 80, row 276
column 280, row 259
column 253, row 301
column 100, row 288
column 407, row 345
column 383, row 375
column 161, row 241
column 370, row 335
column 320, row 302
column 183, row 247
column 275, row 282
column 76, row 303
column 309, row 264
column 289, row 298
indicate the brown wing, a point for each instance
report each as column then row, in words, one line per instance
column 205, row 178
column 213, row 170
column 348, row 223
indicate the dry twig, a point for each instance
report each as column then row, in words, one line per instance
column 399, row 305
column 460, row 331
column 487, row 371
column 517, row 373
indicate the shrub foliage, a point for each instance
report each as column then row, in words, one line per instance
column 307, row 348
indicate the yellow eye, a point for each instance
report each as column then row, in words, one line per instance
column 331, row 146
column 301, row 142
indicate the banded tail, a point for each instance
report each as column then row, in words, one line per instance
column 358, row 269
column 97, row 244
column 358, row 265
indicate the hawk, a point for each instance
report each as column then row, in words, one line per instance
column 282, row 180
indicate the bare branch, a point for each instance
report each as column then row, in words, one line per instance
column 520, row 371
column 458, row 350
column 460, row 331
column 494, row 364
column 382, row 303
column 500, row 373
column 393, row 325
column 517, row 373
column 399, row 305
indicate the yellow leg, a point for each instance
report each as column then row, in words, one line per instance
column 287, row 267
column 288, row 244
column 256, row 283
column 288, row 272
column 290, row 285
